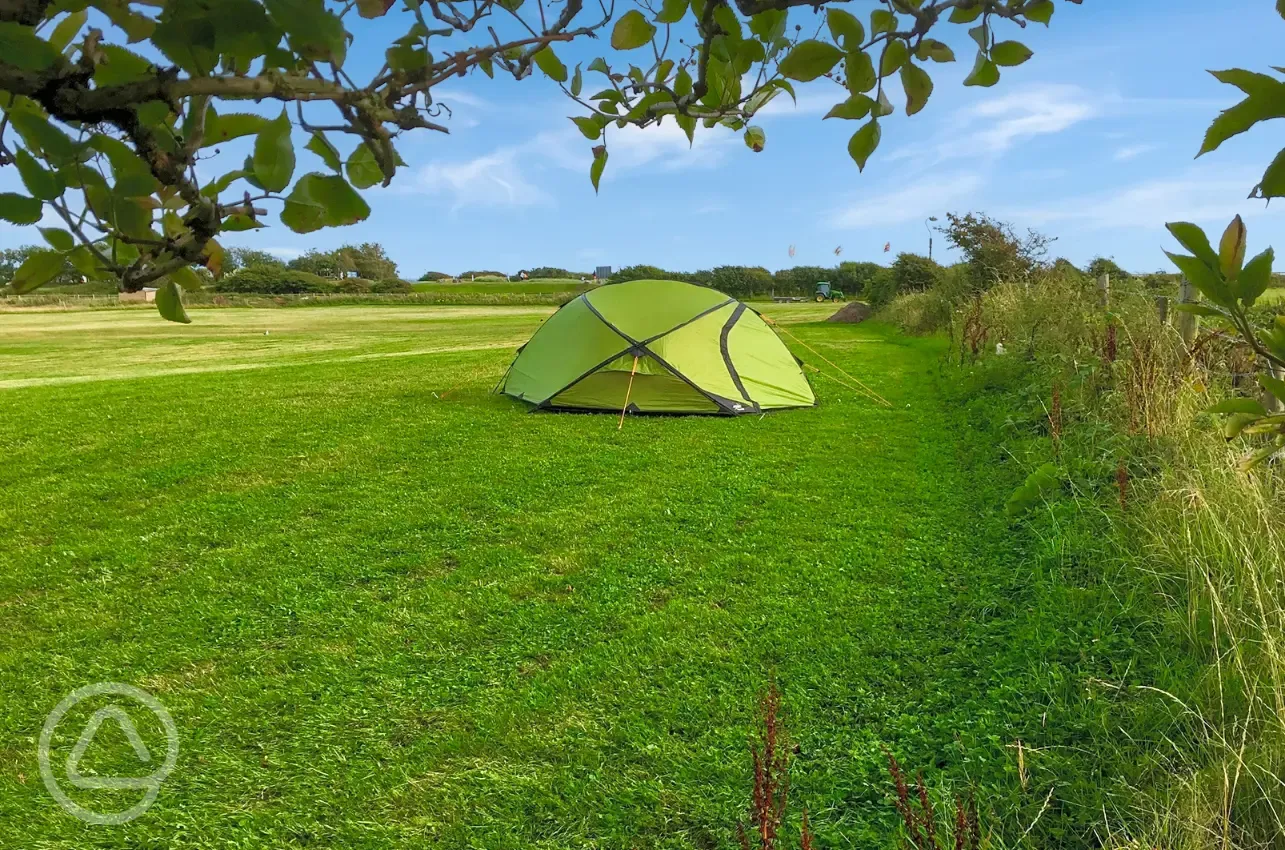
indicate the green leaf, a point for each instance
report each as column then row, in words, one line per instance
column 768, row 25
column 169, row 303
column 374, row 8
column 239, row 223
column 407, row 57
column 882, row 106
column 1255, row 277
column 274, row 155
column 67, row 29
column 45, row 185
column 1010, row 53
column 188, row 279
column 1239, row 405
column 322, row 147
column 589, row 127
column 755, row 138
column 84, row 261
column 981, row 35
column 1272, row 384
column 632, row 31
column 600, row 65
column 548, row 62
column 918, row 86
column 599, row 163
column 1231, row 249
column 58, row 239
column 20, row 46
column 935, row 50
column 225, row 128
column 1033, row 489
column 1041, row 11
column 39, row 268
column 966, row 14
column 577, row 82
column 323, row 200
column 19, row 209
column 1201, row 310
column 881, row 20
column 895, row 54
column 1237, row 422
column 120, row 66
column 133, row 177
column 984, row 73
column 1192, row 238
column 859, row 72
column 314, row 31
column 863, row 143
column 853, row 109
column 185, row 33
column 43, row 137
column 688, row 125
column 1266, row 101
column 1203, row 278
column 728, row 22
column 846, row 30
column 672, row 11
column 363, row 167
column 1273, row 183
column 809, row 60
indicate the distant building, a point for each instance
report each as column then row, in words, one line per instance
column 603, row 272
column 147, row 293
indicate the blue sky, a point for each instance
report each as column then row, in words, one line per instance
column 1091, row 141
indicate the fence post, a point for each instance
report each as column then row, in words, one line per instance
column 1187, row 322
column 1162, row 309
column 1104, row 290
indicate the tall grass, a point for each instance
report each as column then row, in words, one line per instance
column 1204, row 540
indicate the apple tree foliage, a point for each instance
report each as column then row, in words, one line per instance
column 110, row 110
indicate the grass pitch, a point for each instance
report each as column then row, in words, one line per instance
column 384, row 614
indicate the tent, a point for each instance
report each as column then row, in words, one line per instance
column 657, row 346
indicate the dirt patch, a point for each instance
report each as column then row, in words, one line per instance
column 851, row 313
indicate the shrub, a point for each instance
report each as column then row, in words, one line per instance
column 993, row 250
column 915, row 273
column 551, row 273
column 1104, row 265
column 353, row 286
column 274, row 281
column 472, row 274
column 853, row 279
column 432, row 276
column 385, row 287
column 919, row 312
column 741, row 281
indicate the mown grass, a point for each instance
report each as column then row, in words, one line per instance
column 383, row 617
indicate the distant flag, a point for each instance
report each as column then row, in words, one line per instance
column 838, row 250
column 791, row 250
column 887, row 246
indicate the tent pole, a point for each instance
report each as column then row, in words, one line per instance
column 628, row 390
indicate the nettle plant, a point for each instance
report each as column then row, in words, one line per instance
column 1230, row 284
column 112, row 109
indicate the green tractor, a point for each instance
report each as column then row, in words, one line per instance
column 825, row 292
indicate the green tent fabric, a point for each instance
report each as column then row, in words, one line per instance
column 669, row 347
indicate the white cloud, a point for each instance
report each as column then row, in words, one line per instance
column 667, row 146
column 1203, row 199
column 1132, row 151
column 285, row 253
column 493, row 180
column 995, row 125
column 915, row 201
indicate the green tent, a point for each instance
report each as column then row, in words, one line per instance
column 657, row 346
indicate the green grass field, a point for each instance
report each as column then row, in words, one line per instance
column 385, row 615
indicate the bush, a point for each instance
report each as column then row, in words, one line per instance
column 275, row 281
column 741, row 281
column 433, row 276
column 473, row 274
column 551, row 273
column 353, row 286
column 385, row 287
column 915, row 273
column 854, row 279
column 919, row 312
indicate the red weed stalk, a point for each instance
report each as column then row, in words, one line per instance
column 1122, row 485
column 1110, row 348
column 805, row 838
column 771, row 755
